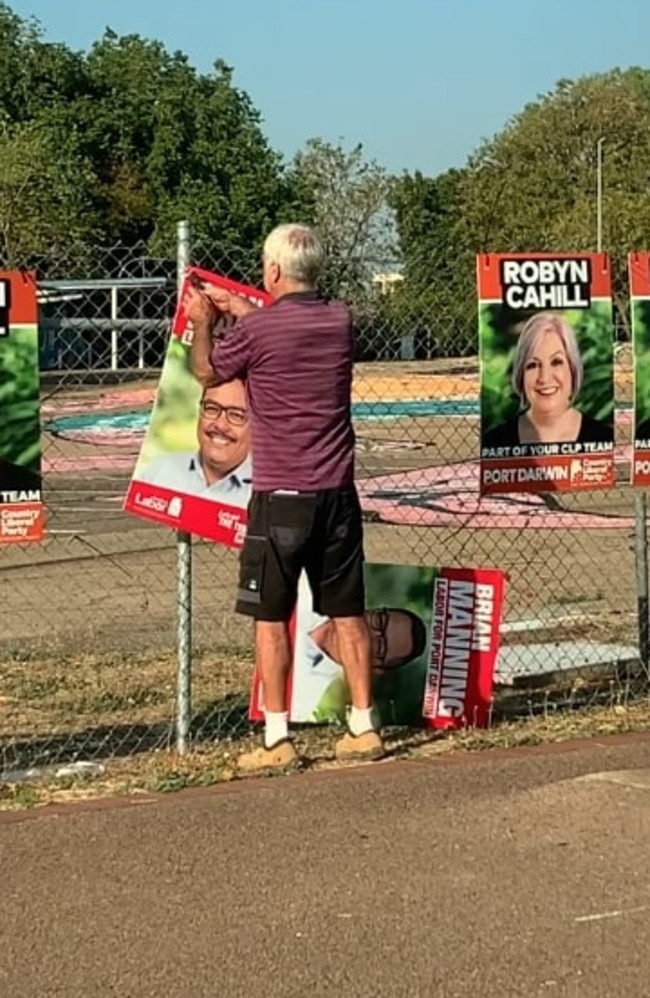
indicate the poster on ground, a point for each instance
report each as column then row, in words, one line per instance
column 194, row 468
column 546, row 347
column 639, row 275
column 21, row 507
column 435, row 639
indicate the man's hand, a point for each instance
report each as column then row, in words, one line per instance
column 199, row 308
column 228, row 302
column 203, row 315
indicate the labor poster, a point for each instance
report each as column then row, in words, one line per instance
column 639, row 273
column 21, row 507
column 435, row 638
column 546, row 348
column 194, row 468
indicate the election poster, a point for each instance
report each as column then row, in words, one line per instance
column 435, row 639
column 194, row 468
column 546, row 347
column 21, row 508
column 639, row 274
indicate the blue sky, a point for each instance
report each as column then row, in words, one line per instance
column 418, row 82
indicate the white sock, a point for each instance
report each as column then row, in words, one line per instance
column 360, row 720
column 276, row 727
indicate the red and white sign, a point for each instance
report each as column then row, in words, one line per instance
column 167, row 503
column 546, row 353
column 453, row 687
column 22, row 513
column 463, row 649
column 639, row 275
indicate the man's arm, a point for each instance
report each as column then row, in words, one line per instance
column 203, row 316
column 231, row 354
column 213, row 360
column 228, row 302
column 201, row 352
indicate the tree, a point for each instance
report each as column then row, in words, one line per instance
column 162, row 141
column 438, row 264
column 533, row 186
column 170, row 143
column 227, row 180
column 346, row 198
column 46, row 197
column 427, row 213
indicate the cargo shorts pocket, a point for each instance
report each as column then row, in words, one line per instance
column 291, row 521
column 252, row 570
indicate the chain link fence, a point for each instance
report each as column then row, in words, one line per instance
column 91, row 665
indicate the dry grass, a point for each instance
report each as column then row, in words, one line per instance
column 64, row 704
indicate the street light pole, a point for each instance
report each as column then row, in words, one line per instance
column 599, row 194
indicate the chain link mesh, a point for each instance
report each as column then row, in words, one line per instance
column 88, row 643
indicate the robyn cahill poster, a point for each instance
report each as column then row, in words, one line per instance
column 546, row 349
column 639, row 275
column 194, row 468
column 21, row 507
column 435, row 639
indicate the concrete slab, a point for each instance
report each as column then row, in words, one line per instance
column 639, row 779
column 516, row 663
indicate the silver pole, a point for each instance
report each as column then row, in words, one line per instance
column 184, row 568
column 640, row 501
column 115, row 344
column 641, row 564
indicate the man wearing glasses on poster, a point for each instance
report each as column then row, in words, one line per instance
column 220, row 469
column 398, row 638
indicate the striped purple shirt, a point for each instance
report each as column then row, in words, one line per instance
column 297, row 357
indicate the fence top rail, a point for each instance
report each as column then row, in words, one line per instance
column 105, row 283
column 56, row 323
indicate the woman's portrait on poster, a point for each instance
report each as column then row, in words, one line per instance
column 547, row 375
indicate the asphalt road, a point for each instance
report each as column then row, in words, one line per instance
column 496, row 875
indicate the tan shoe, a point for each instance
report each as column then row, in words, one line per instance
column 281, row 758
column 360, row 748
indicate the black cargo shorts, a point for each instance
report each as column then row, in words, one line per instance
column 320, row 533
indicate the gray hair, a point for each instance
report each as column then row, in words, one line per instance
column 530, row 334
column 297, row 250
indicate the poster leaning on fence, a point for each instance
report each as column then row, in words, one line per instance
column 435, row 640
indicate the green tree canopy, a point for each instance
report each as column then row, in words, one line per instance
column 439, row 264
column 346, row 197
column 533, row 186
column 150, row 139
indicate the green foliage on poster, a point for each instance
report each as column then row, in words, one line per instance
column 498, row 329
column 19, row 398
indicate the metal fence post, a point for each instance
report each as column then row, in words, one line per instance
column 184, row 569
column 641, row 563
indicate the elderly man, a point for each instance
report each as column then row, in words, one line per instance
column 220, row 469
column 297, row 357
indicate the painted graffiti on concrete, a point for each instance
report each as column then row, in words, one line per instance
column 98, row 421
column 439, row 496
column 448, row 496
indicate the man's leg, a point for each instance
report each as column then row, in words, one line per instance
column 270, row 564
column 363, row 741
column 273, row 661
column 336, row 576
column 353, row 643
